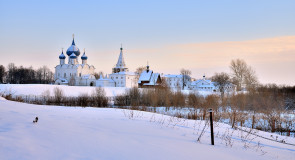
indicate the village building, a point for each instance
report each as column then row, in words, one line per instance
column 105, row 82
column 203, row 85
column 174, row 81
column 149, row 79
column 207, row 85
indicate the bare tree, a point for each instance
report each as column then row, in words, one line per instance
column 221, row 81
column 243, row 74
column 185, row 77
column 100, row 98
column 44, row 75
column 10, row 76
column 140, row 69
column 251, row 79
column 2, row 73
column 97, row 75
column 238, row 68
column 58, row 95
column 164, row 83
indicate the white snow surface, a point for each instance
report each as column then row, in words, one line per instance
column 145, row 76
column 40, row 89
column 107, row 133
column 26, row 90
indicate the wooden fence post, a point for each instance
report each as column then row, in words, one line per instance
column 211, row 126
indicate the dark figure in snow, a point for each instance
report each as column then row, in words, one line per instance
column 36, row 120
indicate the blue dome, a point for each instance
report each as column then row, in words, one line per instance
column 62, row 56
column 84, row 57
column 73, row 49
column 73, row 56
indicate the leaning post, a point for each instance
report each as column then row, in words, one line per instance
column 211, row 126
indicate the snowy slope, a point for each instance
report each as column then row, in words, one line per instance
column 104, row 133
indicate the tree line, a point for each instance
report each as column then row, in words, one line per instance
column 25, row 75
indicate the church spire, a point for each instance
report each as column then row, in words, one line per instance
column 120, row 66
column 121, row 61
column 73, row 43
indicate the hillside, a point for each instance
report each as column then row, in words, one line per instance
column 105, row 133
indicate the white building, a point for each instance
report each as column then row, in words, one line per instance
column 176, row 81
column 207, row 85
column 105, row 82
column 120, row 77
column 73, row 73
column 203, row 85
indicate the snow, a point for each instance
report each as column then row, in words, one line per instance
column 39, row 90
column 124, row 73
column 72, row 48
column 105, row 133
column 26, row 90
column 172, row 76
column 153, row 80
column 145, row 76
column 73, row 55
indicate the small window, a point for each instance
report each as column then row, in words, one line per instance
column 116, row 77
column 121, row 77
column 79, row 74
column 65, row 75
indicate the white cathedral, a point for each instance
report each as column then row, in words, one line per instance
column 74, row 73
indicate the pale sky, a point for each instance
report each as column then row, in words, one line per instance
column 203, row 36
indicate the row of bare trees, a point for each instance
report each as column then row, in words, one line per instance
column 150, row 97
column 97, row 98
column 25, row 75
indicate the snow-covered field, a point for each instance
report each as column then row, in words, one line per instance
column 108, row 133
column 41, row 89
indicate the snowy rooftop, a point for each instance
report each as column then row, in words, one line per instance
column 153, row 80
column 124, row 73
column 145, row 76
column 205, row 81
column 172, row 76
